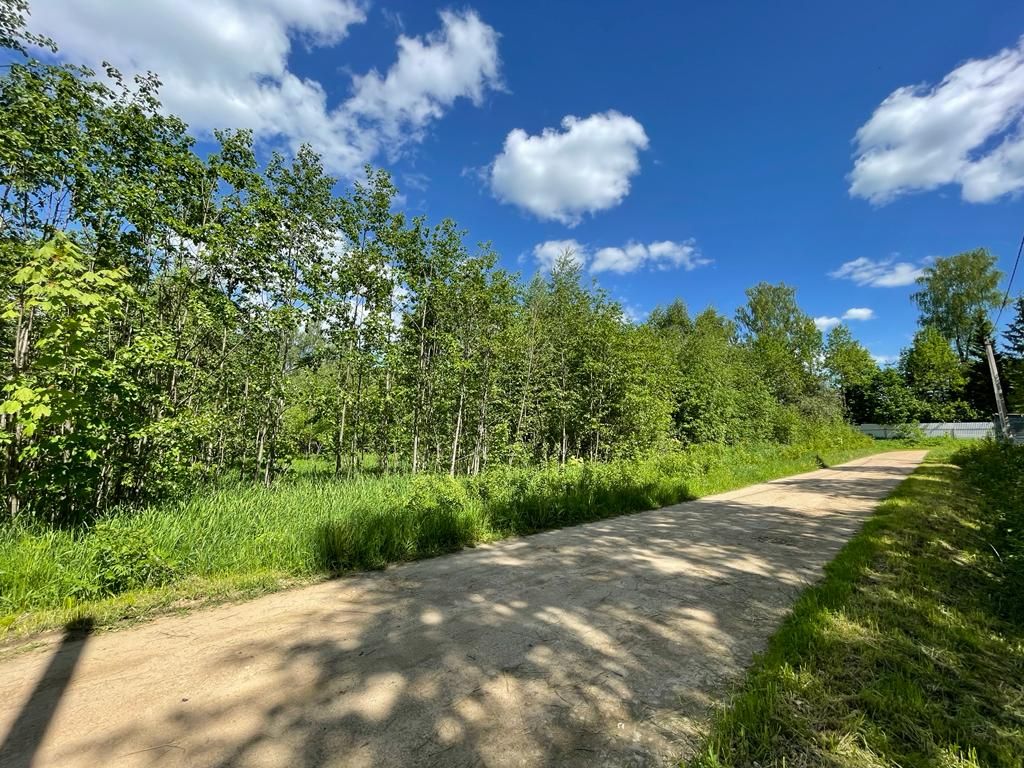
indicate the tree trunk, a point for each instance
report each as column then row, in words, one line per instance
column 458, row 429
column 480, row 451
column 341, row 440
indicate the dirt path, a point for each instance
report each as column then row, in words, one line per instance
column 603, row 644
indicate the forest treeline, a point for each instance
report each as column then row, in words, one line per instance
column 171, row 316
column 942, row 375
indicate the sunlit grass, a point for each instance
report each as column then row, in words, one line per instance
column 238, row 541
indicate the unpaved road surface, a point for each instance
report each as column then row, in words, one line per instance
column 603, row 644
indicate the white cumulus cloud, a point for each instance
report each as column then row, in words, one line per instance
column 548, row 252
column 859, row 313
column 663, row 254
column 459, row 62
column 225, row 64
column 825, row 322
column 885, row 273
column 660, row 254
column 965, row 130
column 561, row 175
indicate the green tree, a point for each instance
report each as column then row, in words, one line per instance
column 936, row 377
column 784, row 340
column 1014, row 333
column 956, row 294
column 978, row 391
column 1014, row 336
column 72, row 398
column 848, row 365
column 718, row 394
column 13, row 35
column 673, row 319
column 889, row 400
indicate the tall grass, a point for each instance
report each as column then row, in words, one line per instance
column 230, row 530
column 996, row 472
column 314, row 525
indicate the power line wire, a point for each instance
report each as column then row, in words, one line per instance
column 1009, row 285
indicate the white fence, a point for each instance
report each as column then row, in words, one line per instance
column 962, row 430
column 1016, row 424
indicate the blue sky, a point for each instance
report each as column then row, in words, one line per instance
column 688, row 150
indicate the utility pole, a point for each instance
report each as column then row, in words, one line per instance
column 1004, row 419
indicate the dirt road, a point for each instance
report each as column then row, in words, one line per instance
column 603, row 644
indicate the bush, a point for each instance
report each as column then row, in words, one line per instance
column 127, row 558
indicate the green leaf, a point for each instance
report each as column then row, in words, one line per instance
column 25, row 275
column 39, row 411
column 24, row 394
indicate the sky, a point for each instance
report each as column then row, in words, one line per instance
column 682, row 150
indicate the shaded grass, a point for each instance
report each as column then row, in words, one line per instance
column 898, row 657
column 996, row 471
column 241, row 541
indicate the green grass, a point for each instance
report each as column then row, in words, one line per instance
column 239, row 541
column 904, row 654
column 996, row 471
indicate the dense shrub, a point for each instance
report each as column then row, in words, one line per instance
column 127, row 558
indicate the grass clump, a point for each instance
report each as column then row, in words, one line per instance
column 901, row 655
column 242, row 539
column 435, row 515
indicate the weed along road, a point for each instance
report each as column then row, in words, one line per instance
column 603, row 644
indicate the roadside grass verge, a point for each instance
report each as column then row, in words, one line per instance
column 996, row 471
column 237, row 542
column 903, row 655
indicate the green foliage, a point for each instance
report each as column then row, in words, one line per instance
column 127, row 558
column 955, row 295
column 1013, row 367
column 719, row 386
column 848, row 364
column 1014, row 333
column 71, row 392
column 935, row 376
column 786, row 344
column 853, row 373
column 897, row 657
column 888, row 400
column 719, row 396
column 443, row 514
column 217, row 317
column 371, row 540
